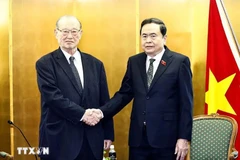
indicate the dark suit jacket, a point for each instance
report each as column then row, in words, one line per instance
column 166, row 106
column 62, row 105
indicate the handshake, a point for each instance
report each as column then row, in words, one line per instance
column 92, row 116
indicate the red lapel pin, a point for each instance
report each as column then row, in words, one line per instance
column 163, row 62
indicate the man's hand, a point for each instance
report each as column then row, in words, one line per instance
column 181, row 149
column 97, row 112
column 92, row 116
column 107, row 144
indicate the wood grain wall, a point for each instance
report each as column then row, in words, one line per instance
column 110, row 32
column 4, row 77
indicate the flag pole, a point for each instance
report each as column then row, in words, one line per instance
column 234, row 36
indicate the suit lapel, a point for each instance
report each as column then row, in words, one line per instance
column 142, row 68
column 85, row 65
column 164, row 63
column 62, row 61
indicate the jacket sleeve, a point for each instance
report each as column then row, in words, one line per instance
column 186, row 100
column 108, row 125
column 120, row 98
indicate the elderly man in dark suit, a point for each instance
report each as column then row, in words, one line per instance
column 70, row 82
column 160, row 82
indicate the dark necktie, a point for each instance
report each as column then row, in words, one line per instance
column 75, row 72
column 150, row 72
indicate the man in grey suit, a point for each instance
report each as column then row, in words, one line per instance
column 160, row 82
column 70, row 82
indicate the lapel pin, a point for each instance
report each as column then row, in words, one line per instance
column 163, row 62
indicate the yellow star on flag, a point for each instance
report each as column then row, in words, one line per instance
column 215, row 96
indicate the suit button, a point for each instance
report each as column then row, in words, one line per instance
column 144, row 113
column 147, row 97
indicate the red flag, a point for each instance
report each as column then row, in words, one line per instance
column 223, row 66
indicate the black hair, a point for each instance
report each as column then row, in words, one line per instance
column 163, row 28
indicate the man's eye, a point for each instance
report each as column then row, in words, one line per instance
column 65, row 31
column 74, row 32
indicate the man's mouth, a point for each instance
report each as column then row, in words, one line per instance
column 149, row 47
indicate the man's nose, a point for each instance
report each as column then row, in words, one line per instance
column 69, row 35
column 149, row 39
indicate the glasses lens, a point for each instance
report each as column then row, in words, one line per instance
column 74, row 32
column 65, row 32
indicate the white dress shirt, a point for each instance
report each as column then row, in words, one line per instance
column 157, row 58
column 77, row 62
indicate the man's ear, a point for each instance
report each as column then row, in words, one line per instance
column 80, row 34
column 165, row 39
column 55, row 32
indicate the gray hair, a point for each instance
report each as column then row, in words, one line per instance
column 67, row 16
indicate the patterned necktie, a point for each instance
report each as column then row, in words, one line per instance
column 150, row 72
column 75, row 72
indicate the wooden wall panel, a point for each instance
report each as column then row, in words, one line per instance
column 109, row 34
column 4, row 78
column 232, row 9
column 33, row 36
column 199, row 21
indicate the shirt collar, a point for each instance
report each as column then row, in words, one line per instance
column 158, row 56
column 76, row 55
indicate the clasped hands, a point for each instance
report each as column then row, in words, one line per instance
column 92, row 116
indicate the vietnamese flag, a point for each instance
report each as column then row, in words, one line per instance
column 223, row 66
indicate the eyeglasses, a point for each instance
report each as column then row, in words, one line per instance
column 65, row 32
column 152, row 36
